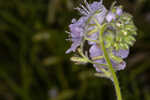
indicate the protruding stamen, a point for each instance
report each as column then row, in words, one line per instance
column 84, row 9
column 81, row 11
column 87, row 5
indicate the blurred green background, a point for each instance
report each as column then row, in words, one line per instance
column 33, row 63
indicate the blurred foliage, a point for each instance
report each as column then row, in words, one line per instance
column 33, row 63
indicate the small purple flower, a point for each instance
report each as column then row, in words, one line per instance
column 92, row 9
column 100, row 16
column 110, row 16
column 76, row 33
column 119, row 11
column 118, row 66
column 93, row 37
column 95, row 51
column 100, row 61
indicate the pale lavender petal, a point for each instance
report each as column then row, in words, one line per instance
column 95, row 51
column 81, row 22
column 73, row 47
column 122, row 65
column 101, row 15
column 96, row 6
column 93, row 37
column 118, row 66
column 119, row 11
column 101, row 61
column 74, row 20
column 110, row 16
column 75, row 30
column 76, row 33
column 121, row 53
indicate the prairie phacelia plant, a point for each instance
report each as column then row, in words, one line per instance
column 108, row 34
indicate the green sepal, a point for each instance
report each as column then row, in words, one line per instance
column 102, row 75
column 118, row 59
column 126, row 46
column 78, row 60
column 98, row 57
column 131, row 38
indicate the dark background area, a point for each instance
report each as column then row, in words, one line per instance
column 33, row 63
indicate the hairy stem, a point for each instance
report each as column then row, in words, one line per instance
column 115, row 80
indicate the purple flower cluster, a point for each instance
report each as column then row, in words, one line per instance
column 85, row 27
column 95, row 51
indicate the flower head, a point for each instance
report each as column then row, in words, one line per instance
column 117, row 36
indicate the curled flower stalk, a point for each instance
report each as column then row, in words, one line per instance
column 108, row 33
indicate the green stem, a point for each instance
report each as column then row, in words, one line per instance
column 115, row 80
